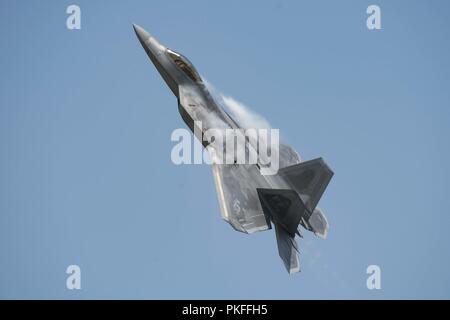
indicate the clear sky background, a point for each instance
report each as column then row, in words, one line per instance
column 85, row 170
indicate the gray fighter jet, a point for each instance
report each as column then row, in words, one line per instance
column 249, row 201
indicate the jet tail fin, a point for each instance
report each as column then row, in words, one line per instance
column 287, row 249
column 289, row 208
column 309, row 179
column 285, row 208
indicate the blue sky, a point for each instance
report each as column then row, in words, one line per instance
column 86, row 176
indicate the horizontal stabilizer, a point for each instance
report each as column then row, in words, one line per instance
column 319, row 223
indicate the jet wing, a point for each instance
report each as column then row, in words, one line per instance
column 236, row 187
column 288, row 156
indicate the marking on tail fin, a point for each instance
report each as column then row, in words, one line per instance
column 309, row 179
column 283, row 206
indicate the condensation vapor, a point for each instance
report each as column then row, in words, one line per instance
column 245, row 117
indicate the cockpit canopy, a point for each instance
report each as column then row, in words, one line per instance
column 185, row 65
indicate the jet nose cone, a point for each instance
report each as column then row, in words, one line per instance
column 150, row 44
column 141, row 33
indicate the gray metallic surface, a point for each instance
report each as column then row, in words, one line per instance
column 284, row 207
column 287, row 249
column 248, row 200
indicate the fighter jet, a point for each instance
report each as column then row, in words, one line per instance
column 249, row 200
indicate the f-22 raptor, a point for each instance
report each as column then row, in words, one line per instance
column 249, row 200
